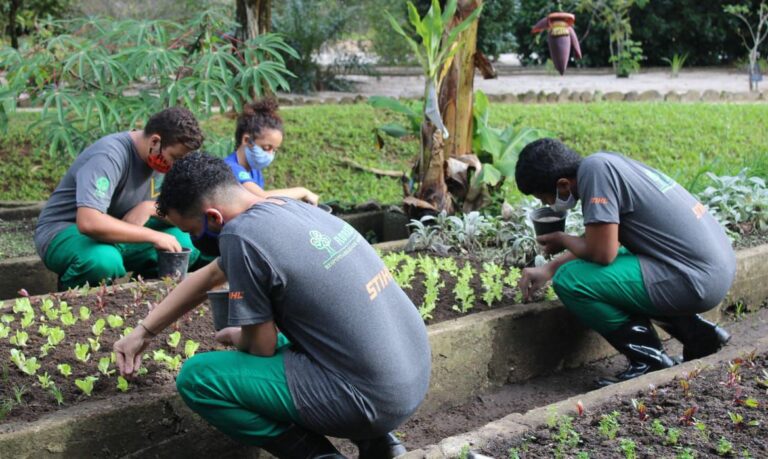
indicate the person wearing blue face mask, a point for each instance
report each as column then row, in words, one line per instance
column 650, row 251
column 258, row 135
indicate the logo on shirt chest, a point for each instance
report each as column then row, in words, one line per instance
column 338, row 247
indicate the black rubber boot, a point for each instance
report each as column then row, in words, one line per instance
column 640, row 344
column 384, row 447
column 299, row 443
column 700, row 338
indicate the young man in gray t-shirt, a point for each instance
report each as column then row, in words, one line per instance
column 98, row 223
column 650, row 250
column 328, row 342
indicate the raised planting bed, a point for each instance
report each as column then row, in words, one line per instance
column 470, row 354
column 717, row 406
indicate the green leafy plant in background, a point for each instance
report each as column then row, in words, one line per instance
column 739, row 202
column 94, row 76
column 628, row 60
column 676, row 63
column 757, row 34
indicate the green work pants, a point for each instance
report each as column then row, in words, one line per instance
column 243, row 395
column 604, row 297
column 78, row 258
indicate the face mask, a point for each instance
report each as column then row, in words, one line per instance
column 257, row 158
column 208, row 241
column 562, row 206
column 158, row 163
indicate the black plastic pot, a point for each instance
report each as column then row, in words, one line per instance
column 325, row 207
column 545, row 220
column 173, row 264
column 220, row 307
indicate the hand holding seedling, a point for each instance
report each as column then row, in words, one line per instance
column 551, row 243
column 533, row 279
column 166, row 242
column 129, row 349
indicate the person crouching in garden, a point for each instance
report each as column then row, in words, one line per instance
column 328, row 344
column 100, row 221
column 650, row 250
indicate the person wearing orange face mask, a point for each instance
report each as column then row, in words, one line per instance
column 100, row 222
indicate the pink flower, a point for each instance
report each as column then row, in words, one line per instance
column 561, row 38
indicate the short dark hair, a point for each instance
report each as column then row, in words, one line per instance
column 192, row 179
column 542, row 163
column 257, row 116
column 175, row 125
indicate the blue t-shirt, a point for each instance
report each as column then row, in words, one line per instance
column 242, row 174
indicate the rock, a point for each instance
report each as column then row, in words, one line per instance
column 575, row 96
column 347, row 100
column 672, row 96
column 510, row 98
column 691, row 96
column 613, row 96
column 541, row 97
column 496, row 97
column 552, row 97
column 745, row 96
column 710, row 95
column 631, row 96
column 586, row 96
column 564, row 95
column 359, row 99
column 598, row 96
column 650, row 96
column 529, row 97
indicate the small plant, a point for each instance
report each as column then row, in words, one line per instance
column 464, row 453
column 82, row 352
column 65, row 369
column 676, row 63
column 26, row 365
column 190, row 347
column 432, row 285
column 738, row 422
column 18, row 394
column 465, row 294
column 86, row 384
column 98, row 327
column 122, row 384
column 94, row 344
column 641, row 409
column 491, row 279
column 658, row 429
column 687, row 453
column 628, row 447
column 566, row 437
column 673, row 436
column 114, row 321
column 57, row 394
column 27, row 319
column 687, row 418
column 68, row 319
column 174, row 339
column 701, row 428
column 55, row 336
column 45, row 380
column 724, row 447
column 4, row 331
column 686, row 387
column 20, row 338
column 609, row 425
column 104, row 366
column 85, row 313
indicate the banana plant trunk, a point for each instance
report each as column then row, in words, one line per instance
column 455, row 105
column 255, row 18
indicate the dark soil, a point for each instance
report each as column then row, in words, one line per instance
column 709, row 394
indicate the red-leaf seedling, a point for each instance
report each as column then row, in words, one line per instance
column 580, row 408
column 687, row 417
column 642, row 410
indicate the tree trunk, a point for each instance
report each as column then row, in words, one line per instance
column 13, row 32
column 255, row 18
column 455, row 100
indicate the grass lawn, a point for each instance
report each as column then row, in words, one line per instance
column 683, row 140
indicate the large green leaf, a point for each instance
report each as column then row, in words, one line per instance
column 489, row 175
column 396, row 130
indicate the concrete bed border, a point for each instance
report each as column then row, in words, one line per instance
column 518, row 424
column 469, row 355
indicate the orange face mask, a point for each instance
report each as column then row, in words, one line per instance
column 158, row 163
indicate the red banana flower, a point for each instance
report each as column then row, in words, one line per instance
column 561, row 38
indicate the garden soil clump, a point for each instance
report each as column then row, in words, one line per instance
column 709, row 412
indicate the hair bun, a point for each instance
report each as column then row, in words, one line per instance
column 266, row 106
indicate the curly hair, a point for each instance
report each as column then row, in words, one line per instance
column 175, row 125
column 542, row 163
column 192, row 179
column 257, row 116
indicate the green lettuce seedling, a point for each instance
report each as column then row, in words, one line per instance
column 174, row 363
column 190, row 348
column 159, row 355
column 20, row 338
column 94, row 343
column 4, row 331
column 64, row 308
column 174, row 338
column 6, row 318
column 27, row 365
column 85, row 313
column 491, row 278
column 27, row 319
column 45, row 380
column 142, row 371
column 104, row 366
column 68, row 319
column 57, row 395
column 22, row 306
column 126, row 331
column 46, row 305
column 81, row 352
column 114, row 321
column 65, row 369
column 55, row 336
column 465, row 294
column 52, row 314
column 86, row 384
column 43, row 330
column 44, row 349
column 122, row 384
column 98, row 327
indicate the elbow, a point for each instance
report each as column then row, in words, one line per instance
column 604, row 259
column 86, row 227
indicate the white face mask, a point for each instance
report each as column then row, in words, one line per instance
column 562, row 206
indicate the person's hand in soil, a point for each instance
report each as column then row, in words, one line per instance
column 229, row 336
column 551, row 243
column 166, row 242
column 533, row 279
column 129, row 349
column 140, row 214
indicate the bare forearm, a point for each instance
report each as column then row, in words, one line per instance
column 577, row 246
column 105, row 228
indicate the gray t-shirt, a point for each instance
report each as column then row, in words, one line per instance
column 687, row 261
column 108, row 176
column 360, row 361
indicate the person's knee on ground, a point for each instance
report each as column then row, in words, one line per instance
column 101, row 262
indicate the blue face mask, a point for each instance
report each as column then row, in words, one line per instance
column 257, row 158
column 207, row 242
